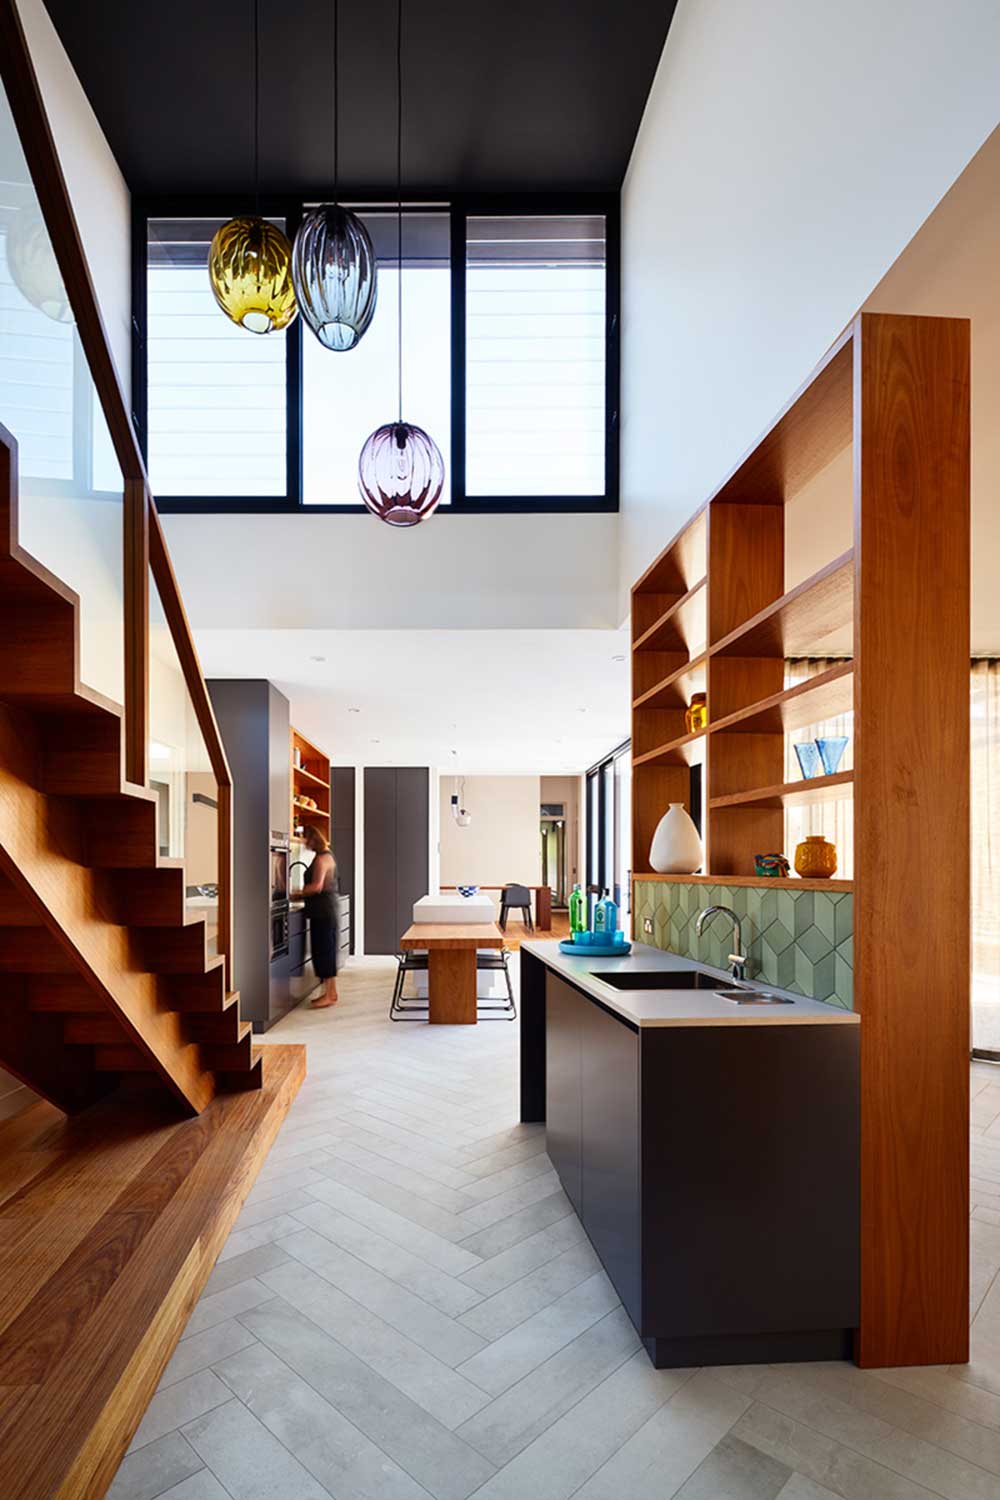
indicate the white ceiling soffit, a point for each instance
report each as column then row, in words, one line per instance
column 530, row 702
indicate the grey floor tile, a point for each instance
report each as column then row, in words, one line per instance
column 201, row 1486
column 268, row 1233
column 498, row 1208
column 203, row 1349
column 253, row 1214
column 518, row 1226
column 413, row 1204
column 171, row 1407
column 152, row 1470
column 565, row 1456
column 494, row 1161
column 435, row 1248
column 509, row 1358
column 820, row 1458
column 801, row 1488
column 503, row 1311
column 492, row 1184
column 220, row 1306
column 442, row 1336
column 808, row 1399
column 662, row 1453
column 735, row 1471
column 453, row 1200
column 404, row 1155
column 434, row 1456
column 335, row 1452
column 443, row 1291
column 249, row 1461
column 516, row 1418
column 287, row 1182
column 444, row 1392
column 241, row 1267
column 509, row 1265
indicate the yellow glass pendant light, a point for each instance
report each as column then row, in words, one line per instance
column 250, row 259
column 250, row 268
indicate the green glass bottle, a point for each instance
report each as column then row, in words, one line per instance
column 577, row 910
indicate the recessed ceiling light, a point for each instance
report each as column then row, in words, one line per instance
column 354, row 710
column 618, row 658
column 374, row 742
column 317, row 658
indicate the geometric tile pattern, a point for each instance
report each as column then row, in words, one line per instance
column 409, row 1308
column 801, row 941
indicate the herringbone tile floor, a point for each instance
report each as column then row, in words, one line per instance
column 408, row 1308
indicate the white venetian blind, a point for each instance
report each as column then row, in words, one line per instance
column 216, row 393
column 535, row 356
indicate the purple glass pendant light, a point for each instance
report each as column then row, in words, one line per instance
column 333, row 259
column 400, row 470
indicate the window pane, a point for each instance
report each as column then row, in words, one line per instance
column 216, row 393
column 346, row 396
column 535, row 356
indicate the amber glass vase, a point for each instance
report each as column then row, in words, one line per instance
column 815, row 858
column 696, row 714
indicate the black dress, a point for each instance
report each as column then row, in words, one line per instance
column 321, row 910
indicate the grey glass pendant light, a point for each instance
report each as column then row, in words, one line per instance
column 400, row 470
column 333, row 259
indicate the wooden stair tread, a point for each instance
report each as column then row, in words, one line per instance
column 132, row 1207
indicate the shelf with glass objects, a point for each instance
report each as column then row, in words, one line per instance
column 714, row 623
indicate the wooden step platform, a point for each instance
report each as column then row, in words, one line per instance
column 110, row 1223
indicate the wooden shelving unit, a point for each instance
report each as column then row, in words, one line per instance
column 712, row 614
column 310, row 779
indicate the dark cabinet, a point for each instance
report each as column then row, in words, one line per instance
column 563, row 1087
column 609, row 1149
column 714, row 1168
column 397, row 851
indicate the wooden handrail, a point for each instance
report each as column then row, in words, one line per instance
column 145, row 547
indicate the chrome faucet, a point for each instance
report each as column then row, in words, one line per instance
column 738, row 958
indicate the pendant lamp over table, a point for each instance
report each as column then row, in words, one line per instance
column 400, row 470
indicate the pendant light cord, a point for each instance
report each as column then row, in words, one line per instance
column 399, row 187
column 336, row 100
column 256, row 107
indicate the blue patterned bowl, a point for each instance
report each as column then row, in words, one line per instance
column 468, row 890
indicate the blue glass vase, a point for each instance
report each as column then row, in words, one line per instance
column 807, row 754
column 831, row 752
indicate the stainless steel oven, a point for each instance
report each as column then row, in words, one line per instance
column 279, row 870
column 279, row 931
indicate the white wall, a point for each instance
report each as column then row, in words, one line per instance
column 452, row 572
column 789, row 150
column 100, row 198
column 503, row 842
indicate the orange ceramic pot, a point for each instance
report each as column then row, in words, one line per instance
column 815, row 859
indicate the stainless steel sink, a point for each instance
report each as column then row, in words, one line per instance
column 658, row 979
column 752, row 997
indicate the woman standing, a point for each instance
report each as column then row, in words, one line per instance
column 321, row 910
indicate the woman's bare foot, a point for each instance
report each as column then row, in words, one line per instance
column 328, row 997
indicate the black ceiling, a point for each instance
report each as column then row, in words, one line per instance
column 499, row 95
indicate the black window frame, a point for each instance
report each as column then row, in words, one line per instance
column 460, row 207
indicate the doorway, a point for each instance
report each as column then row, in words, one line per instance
column 553, row 833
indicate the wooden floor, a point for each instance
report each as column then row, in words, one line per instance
column 517, row 932
column 110, row 1224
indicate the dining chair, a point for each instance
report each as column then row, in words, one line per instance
column 516, row 898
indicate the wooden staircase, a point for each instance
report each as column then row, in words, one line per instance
column 104, row 976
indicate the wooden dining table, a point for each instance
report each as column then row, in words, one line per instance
column 451, row 965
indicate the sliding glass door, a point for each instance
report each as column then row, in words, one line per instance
column 609, row 830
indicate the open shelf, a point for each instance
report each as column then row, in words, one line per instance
column 313, row 812
column 763, row 882
column 680, row 752
column 816, row 789
column 675, row 691
column 824, row 696
column 801, row 622
column 303, row 775
column 680, row 626
column 681, row 562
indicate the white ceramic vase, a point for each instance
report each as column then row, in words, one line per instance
column 676, row 848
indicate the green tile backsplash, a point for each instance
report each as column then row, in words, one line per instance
column 799, row 940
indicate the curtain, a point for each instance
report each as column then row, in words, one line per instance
column 985, row 748
column 834, row 820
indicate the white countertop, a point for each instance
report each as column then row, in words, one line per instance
column 680, row 1007
column 445, row 907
